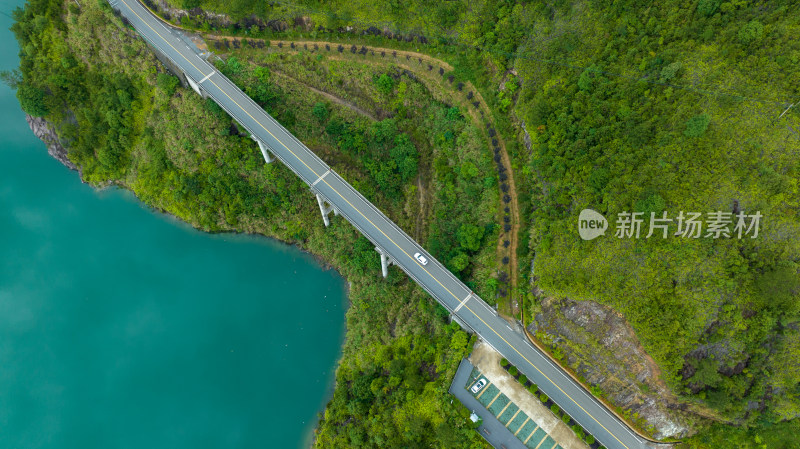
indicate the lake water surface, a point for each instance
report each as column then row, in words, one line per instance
column 123, row 328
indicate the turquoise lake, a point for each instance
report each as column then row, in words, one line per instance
column 123, row 328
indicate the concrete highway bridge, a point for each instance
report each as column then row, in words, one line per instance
column 337, row 196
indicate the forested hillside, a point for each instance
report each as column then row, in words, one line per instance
column 676, row 109
column 660, row 107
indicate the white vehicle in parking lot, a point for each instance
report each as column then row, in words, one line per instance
column 478, row 385
column 421, row 259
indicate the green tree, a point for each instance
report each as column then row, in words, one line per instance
column 12, row 78
column 385, row 84
column 262, row 74
column 708, row 7
column 32, row 100
column 459, row 342
column 405, row 156
column 469, row 236
column 697, row 125
column 669, row 72
column 320, row 111
column 167, row 83
column 588, row 78
column 751, row 32
column 468, row 170
column 233, row 66
column 459, row 262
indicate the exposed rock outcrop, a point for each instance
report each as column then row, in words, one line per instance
column 46, row 132
column 602, row 347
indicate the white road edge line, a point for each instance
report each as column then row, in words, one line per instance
column 491, row 310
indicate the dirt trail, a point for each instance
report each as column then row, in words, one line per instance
column 329, row 96
column 389, row 52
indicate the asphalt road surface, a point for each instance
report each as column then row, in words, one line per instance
column 433, row 276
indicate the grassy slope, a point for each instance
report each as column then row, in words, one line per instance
column 701, row 307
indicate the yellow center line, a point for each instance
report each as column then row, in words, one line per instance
column 376, row 227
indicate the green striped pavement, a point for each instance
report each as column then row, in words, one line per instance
column 527, row 430
column 536, row 438
column 506, row 416
column 498, row 405
column 548, row 443
column 488, row 395
column 516, row 423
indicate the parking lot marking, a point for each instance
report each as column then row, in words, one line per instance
column 512, row 418
column 495, row 398
column 504, row 409
column 523, row 425
column 542, row 442
column 532, row 432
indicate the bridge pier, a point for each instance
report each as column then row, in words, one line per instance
column 454, row 317
column 326, row 210
column 264, row 150
column 197, row 88
column 385, row 262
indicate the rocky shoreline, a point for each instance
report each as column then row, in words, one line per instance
column 46, row 132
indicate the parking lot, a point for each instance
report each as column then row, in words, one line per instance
column 504, row 425
column 509, row 414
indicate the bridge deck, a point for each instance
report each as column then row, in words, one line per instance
column 433, row 277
